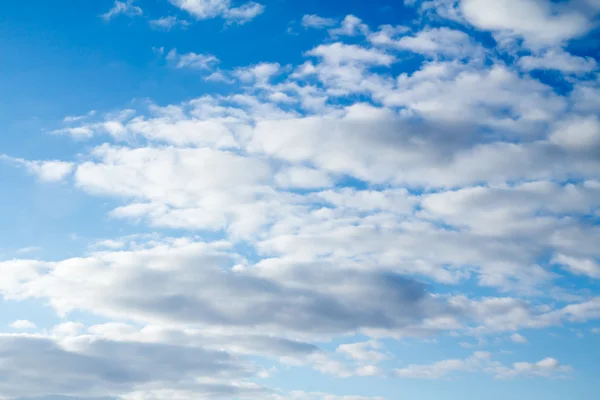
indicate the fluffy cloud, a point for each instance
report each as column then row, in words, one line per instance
column 579, row 266
column 517, row 338
column 206, row 9
column 558, row 60
column 192, row 60
column 288, row 299
column 82, row 366
column 363, row 351
column 23, row 324
column 345, row 197
column 540, row 22
column 432, row 42
column 46, row 171
column 350, row 26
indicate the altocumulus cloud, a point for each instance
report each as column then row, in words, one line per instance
column 313, row 213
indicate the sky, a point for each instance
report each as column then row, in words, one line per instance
column 299, row 200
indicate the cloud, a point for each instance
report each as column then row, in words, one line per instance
column 351, row 26
column 579, row 266
column 558, row 60
column 298, row 177
column 192, row 60
column 81, row 366
column 338, row 53
column 316, row 22
column 364, row 352
column 299, row 395
column 126, row 7
column 547, row 367
column 244, row 13
column 539, row 22
column 259, row 73
column 28, row 249
column 515, row 337
column 481, row 361
column 432, row 42
column 207, row 9
column 318, row 306
column 578, row 133
column 168, row 23
column 22, row 324
column 412, row 184
column 76, row 118
column 46, row 171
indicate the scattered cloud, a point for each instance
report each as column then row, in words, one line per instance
column 517, row 338
column 127, row 8
column 481, row 362
column 579, row 266
column 46, row 171
column 207, row 9
column 558, row 60
column 192, row 60
column 399, row 182
column 364, row 352
column 316, row 22
column 350, row 26
column 168, row 23
column 23, row 324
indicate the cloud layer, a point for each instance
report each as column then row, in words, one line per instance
column 306, row 215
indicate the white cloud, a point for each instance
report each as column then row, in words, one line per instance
column 314, row 21
column 442, row 368
column 192, row 60
column 324, row 192
column 28, row 250
column 517, row 338
column 207, row 9
column 167, row 23
column 539, row 22
column 22, row 324
column 260, row 73
column 299, row 395
column 579, row 266
column 547, row 367
column 364, row 352
column 244, row 13
column 482, row 361
column 350, row 26
column 76, row 118
column 300, row 177
column 578, row 133
column 387, row 34
column 84, row 366
column 46, row 171
column 558, row 60
column 339, row 53
column 432, row 42
column 218, row 76
column 203, row 9
column 322, row 301
column 126, row 7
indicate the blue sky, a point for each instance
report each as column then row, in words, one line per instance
column 299, row 200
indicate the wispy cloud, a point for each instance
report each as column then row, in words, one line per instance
column 126, row 7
